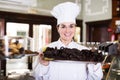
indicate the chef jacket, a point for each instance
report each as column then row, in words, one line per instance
column 67, row 70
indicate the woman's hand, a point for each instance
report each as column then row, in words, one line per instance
column 42, row 61
column 95, row 71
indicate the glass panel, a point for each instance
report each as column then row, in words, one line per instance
column 114, row 70
column 41, row 35
column 17, row 29
column 77, row 34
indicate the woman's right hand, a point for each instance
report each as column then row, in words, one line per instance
column 42, row 61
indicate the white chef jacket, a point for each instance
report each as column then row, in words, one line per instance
column 67, row 70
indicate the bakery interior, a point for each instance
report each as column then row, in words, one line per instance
column 29, row 24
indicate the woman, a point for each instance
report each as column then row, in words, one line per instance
column 65, row 13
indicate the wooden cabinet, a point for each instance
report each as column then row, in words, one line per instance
column 116, row 8
column 115, row 13
column 2, row 27
column 98, row 31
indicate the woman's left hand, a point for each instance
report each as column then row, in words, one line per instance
column 95, row 71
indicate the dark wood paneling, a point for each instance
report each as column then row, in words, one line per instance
column 115, row 14
column 27, row 18
column 2, row 24
column 115, row 5
column 98, row 31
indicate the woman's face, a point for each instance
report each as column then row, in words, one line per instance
column 66, row 31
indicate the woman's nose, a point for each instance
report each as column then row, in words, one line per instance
column 67, row 29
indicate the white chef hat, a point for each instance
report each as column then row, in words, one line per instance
column 66, row 12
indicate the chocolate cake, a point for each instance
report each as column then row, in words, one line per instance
column 73, row 54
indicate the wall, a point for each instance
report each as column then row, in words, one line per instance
column 95, row 10
column 91, row 10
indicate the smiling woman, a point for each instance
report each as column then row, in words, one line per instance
column 66, row 14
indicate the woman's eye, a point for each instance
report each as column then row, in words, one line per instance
column 72, row 26
column 62, row 26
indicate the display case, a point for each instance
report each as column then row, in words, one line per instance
column 114, row 70
column 16, row 57
column 15, row 47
